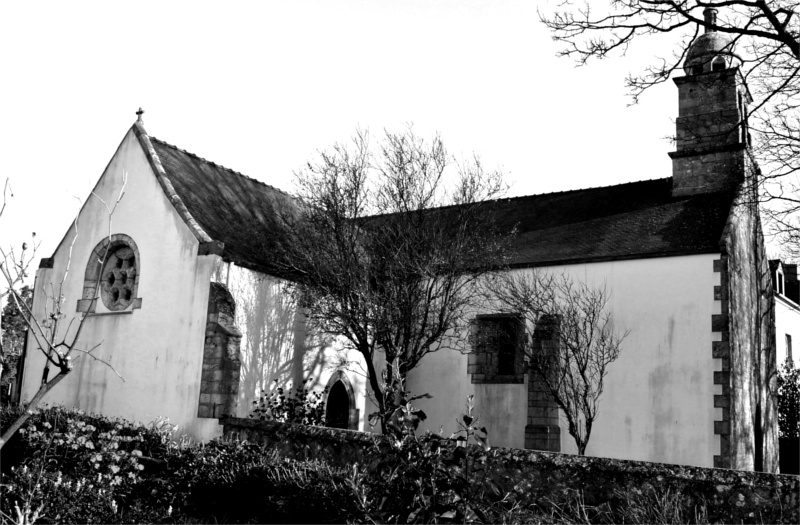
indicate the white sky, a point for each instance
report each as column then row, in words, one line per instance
column 259, row 87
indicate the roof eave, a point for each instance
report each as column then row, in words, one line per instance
column 609, row 258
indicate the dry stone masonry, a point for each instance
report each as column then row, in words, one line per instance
column 728, row 496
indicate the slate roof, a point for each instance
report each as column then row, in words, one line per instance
column 633, row 220
column 626, row 221
column 241, row 212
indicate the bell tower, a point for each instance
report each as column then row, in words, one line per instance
column 711, row 130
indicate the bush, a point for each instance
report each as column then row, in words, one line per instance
column 789, row 401
column 59, row 478
column 422, row 479
column 73, row 467
column 304, row 406
column 239, row 482
column 68, row 466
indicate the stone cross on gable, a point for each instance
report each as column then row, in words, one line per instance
column 139, row 115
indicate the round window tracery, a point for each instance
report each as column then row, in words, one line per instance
column 118, row 279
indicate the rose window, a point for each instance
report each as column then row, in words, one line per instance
column 118, row 279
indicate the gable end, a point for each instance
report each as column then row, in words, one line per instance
column 166, row 184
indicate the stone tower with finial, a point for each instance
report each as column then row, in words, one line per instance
column 711, row 130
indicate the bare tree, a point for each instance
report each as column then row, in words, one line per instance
column 57, row 342
column 387, row 249
column 572, row 339
column 766, row 36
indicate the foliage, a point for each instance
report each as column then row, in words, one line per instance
column 304, row 406
column 400, row 282
column 398, row 416
column 13, row 338
column 420, row 479
column 14, row 325
column 72, row 467
column 424, row 479
column 68, row 466
column 15, row 315
column 240, row 482
column 574, row 340
column 789, row 401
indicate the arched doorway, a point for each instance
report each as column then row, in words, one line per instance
column 340, row 405
column 337, row 407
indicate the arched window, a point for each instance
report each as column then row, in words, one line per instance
column 114, row 267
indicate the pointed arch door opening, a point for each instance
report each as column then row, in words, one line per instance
column 340, row 406
column 337, row 408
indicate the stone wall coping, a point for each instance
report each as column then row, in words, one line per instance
column 512, row 456
column 331, row 434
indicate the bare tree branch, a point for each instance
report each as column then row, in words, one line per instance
column 387, row 248
column 56, row 346
column 768, row 35
column 571, row 339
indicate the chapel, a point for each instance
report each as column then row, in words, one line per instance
column 191, row 304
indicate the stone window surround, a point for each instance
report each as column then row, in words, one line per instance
column 94, row 268
column 340, row 375
column 221, row 373
column 477, row 367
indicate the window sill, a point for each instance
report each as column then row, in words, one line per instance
column 515, row 379
column 88, row 307
column 105, row 314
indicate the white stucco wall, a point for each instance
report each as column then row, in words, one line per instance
column 278, row 348
column 658, row 398
column 158, row 349
column 787, row 322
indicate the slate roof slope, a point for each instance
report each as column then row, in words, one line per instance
column 633, row 220
column 241, row 212
column 626, row 221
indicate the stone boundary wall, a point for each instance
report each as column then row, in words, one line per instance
column 730, row 496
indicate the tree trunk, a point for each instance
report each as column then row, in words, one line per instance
column 376, row 387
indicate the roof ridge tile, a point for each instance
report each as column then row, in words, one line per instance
column 662, row 179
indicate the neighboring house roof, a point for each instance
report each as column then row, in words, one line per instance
column 790, row 282
column 626, row 221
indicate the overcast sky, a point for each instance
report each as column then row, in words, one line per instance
column 259, row 87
